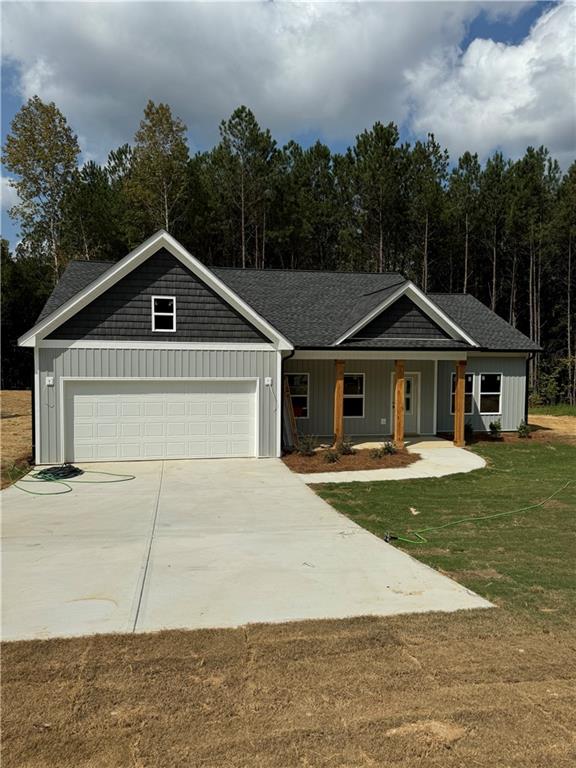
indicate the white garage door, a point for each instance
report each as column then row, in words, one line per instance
column 159, row 420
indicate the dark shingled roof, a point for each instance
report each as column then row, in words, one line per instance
column 486, row 327
column 77, row 275
column 314, row 309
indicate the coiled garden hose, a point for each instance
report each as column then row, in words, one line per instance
column 63, row 475
column 421, row 539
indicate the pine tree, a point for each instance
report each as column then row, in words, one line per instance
column 158, row 175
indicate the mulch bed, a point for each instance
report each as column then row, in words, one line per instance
column 361, row 460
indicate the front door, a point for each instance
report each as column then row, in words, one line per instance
column 411, row 403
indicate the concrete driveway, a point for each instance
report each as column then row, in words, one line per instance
column 198, row 544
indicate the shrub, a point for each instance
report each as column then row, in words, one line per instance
column 306, row 445
column 345, row 447
column 386, row 449
column 331, row 456
column 523, row 430
column 496, row 429
column 468, row 432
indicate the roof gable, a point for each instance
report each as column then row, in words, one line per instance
column 401, row 320
column 124, row 311
column 429, row 308
column 114, row 273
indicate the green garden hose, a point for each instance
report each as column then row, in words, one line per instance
column 420, row 539
column 63, row 476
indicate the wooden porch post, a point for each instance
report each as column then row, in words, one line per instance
column 339, row 400
column 399, row 400
column 459, row 403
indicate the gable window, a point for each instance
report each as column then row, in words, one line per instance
column 298, row 384
column 468, row 393
column 163, row 313
column 354, row 395
column 490, row 393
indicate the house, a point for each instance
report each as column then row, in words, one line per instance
column 158, row 356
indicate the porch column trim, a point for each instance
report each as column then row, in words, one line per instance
column 399, row 400
column 460, row 403
column 339, row 366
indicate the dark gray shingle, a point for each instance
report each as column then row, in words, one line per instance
column 314, row 309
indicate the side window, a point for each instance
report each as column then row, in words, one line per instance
column 354, row 395
column 299, row 386
column 163, row 313
column 491, row 393
column 468, row 393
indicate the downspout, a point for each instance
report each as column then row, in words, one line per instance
column 34, row 393
column 526, row 396
column 281, row 389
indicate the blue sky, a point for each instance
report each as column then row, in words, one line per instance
column 480, row 75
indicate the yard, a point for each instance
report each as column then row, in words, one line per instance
column 16, row 434
column 477, row 688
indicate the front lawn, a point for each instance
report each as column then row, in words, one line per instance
column 471, row 688
column 524, row 561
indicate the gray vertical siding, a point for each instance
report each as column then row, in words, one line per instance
column 513, row 370
column 378, row 396
column 149, row 363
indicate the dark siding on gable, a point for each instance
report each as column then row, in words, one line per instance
column 402, row 320
column 123, row 312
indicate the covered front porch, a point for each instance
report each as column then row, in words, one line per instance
column 374, row 396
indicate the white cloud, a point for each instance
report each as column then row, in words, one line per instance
column 7, row 193
column 319, row 68
column 504, row 95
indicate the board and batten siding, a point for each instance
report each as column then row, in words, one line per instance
column 102, row 363
column 513, row 400
column 377, row 396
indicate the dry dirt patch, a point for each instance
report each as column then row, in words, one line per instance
column 361, row 460
column 554, row 428
column 16, row 430
column 477, row 688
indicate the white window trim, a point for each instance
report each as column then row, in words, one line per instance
column 480, row 393
column 307, row 395
column 452, row 377
column 163, row 314
column 357, row 397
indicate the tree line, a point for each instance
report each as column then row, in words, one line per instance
column 501, row 230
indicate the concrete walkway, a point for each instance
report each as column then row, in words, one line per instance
column 192, row 544
column 439, row 458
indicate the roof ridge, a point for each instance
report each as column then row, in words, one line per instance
column 91, row 261
column 316, row 271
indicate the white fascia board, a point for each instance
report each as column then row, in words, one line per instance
column 136, row 257
column 524, row 355
column 174, row 345
column 392, row 354
column 426, row 305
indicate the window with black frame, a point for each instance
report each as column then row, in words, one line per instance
column 298, row 384
column 468, row 393
column 354, row 395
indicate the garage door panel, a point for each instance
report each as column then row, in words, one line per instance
column 132, row 408
column 108, row 420
column 131, row 429
column 176, row 409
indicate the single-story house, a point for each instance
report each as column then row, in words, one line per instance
column 159, row 356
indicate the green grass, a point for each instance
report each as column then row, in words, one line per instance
column 562, row 409
column 524, row 562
